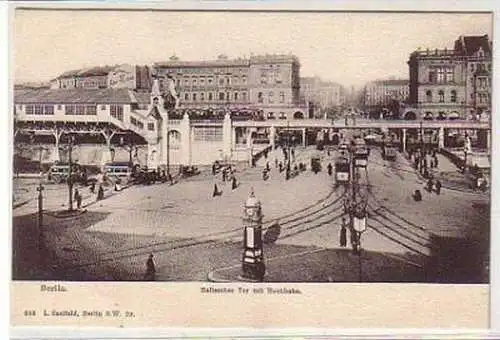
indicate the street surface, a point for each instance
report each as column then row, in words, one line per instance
column 194, row 236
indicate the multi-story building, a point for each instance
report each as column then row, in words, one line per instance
column 321, row 95
column 118, row 76
column 270, row 83
column 451, row 83
column 382, row 94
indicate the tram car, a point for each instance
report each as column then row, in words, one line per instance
column 342, row 170
column 361, row 153
column 389, row 152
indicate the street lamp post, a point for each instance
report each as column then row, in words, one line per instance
column 71, row 141
column 356, row 208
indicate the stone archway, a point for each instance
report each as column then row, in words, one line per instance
column 410, row 115
column 298, row 115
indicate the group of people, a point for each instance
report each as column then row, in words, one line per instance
column 424, row 161
column 227, row 176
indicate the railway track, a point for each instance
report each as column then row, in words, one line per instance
column 395, row 227
column 290, row 224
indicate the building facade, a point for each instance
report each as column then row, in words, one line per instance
column 118, row 76
column 270, row 83
column 321, row 96
column 385, row 94
column 452, row 83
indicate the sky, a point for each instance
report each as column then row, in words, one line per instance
column 346, row 47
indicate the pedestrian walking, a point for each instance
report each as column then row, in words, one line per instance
column 92, row 187
column 354, row 239
column 429, row 185
column 330, row 169
column 293, row 154
column 100, row 193
column 78, row 199
column 436, row 163
column 276, row 162
column 216, row 191
column 438, row 187
column 268, row 168
column 150, row 274
column 343, row 233
column 235, row 183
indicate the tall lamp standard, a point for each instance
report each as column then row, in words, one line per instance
column 356, row 208
column 69, row 147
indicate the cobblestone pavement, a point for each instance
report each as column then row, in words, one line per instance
column 193, row 234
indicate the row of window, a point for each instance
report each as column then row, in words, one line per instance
column 116, row 111
column 429, row 96
column 482, row 82
column 270, row 97
column 441, row 75
column 480, row 67
column 483, row 98
column 208, row 134
column 202, row 81
column 80, row 110
column 136, row 122
column 201, row 96
column 39, row 109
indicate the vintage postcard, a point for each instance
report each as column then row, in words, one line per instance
column 261, row 169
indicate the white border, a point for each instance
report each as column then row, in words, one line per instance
column 363, row 5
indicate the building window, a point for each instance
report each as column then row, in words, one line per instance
column 186, row 96
column 136, row 122
column 228, row 81
column 208, row 134
column 151, row 126
column 282, row 97
column 472, row 67
column 202, row 81
column 271, row 97
column 48, row 109
column 472, row 96
column 449, row 75
column 432, row 76
column 260, row 98
column 202, row 96
column 263, row 77
column 235, row 80
column 194, row 97
column 80, row 110
column 221, row 95
column 186, row 81
column 39, row 109
column 244, row 80
column 103, row 107
column 69, row 109
column 194, row 81
column 116, row 111
column 91, row 110
column 453, row 97
column 29, row 109
column 59, row 107
column 236, row 96
column 210, row 81
column 441, row 96
column 428, row 95
column 228, row 96
column 210, row 96
column 221, row 81
column 244, row 96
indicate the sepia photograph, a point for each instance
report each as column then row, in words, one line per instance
column 254, row 147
